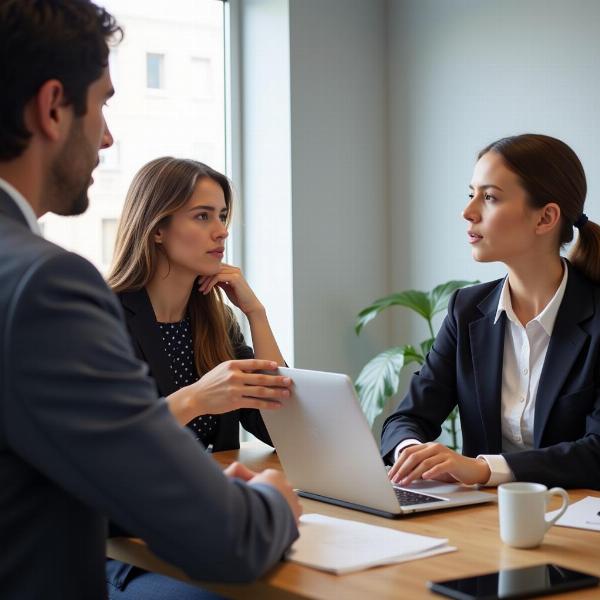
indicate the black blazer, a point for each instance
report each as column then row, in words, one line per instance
column 141, row 323
column 84, row 436
column 464, row 367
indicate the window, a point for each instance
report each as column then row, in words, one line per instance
column 109, row 235
column 113, row 65
column 149, row 125
column 201, row 82
column 155, row 71
column 110, row 157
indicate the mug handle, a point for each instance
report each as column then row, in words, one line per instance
column 557, row 491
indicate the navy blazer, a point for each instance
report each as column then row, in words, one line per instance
column 84, row 436
column 464, row 368
column 141, row 323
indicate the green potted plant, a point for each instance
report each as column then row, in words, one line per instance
column 380, row 377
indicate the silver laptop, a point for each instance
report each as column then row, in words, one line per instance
column 328, row 452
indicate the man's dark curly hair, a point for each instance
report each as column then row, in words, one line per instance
column 42, row 40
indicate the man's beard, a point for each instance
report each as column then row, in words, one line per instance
column 71, row 173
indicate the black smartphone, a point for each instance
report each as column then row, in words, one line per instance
column 527, row 582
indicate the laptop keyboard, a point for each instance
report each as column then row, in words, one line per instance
column 406, row 498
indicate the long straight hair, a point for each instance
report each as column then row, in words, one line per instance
column 158, row 190
column 550, row 171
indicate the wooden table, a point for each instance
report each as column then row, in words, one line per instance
column 474, row 530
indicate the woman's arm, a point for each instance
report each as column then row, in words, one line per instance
column 263, row 340
column 232, row 282
column 431, row 396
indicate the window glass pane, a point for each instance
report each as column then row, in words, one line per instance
column 109, row 235
column 181, row 50
column 154, row 71
column 201, row 83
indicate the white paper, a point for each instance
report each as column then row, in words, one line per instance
column 342, row 546
column 581, row 515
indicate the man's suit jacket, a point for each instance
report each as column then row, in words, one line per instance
column 83, row 436
column 464, row 367
column 141, row 323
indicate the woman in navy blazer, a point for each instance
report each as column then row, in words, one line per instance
column 519, row 356
column 169, row 275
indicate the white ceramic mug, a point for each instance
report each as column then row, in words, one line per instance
column 522, row 512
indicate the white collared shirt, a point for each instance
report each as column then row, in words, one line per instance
column 523, row 359
column 23, row 205
column 524, row 355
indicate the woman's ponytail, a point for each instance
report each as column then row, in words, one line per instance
column 585, row 254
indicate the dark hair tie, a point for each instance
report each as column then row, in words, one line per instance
column 581, row 221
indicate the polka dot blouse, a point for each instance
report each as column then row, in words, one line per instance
column 178, row 344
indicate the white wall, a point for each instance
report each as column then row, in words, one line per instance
column 462, row 74
column 338, row 59
column 328, row 198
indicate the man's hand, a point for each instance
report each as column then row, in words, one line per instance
column 239, row 471
column 434, row 461
column 271, row 477
column 277, row 480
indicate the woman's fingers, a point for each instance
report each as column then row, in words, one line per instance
column 248, row 365
column 439, row 471
column 410, row 458
column 207, row 284
column 251, row 402
column 262, row 392
column 399, row 462
column 266, row 380
column 418, row 469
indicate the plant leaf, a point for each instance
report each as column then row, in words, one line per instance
column 440, row 294
column 380, row 378
column 413, row 299
column 426, row 346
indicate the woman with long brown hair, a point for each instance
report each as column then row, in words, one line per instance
column 169, row 275
column 519, row 356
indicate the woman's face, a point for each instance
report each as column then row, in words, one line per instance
column 194, row 238
column 502, row 226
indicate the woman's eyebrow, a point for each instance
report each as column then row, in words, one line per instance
column 207, row 207
column 202, row 207
column 487, row 185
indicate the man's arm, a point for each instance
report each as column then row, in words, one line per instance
column 81, row 409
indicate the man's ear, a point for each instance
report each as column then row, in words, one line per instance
column 549, row 218
column 51, row 113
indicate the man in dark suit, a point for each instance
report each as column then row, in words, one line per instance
column 83, row 435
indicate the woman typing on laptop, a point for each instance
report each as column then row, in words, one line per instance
column 519, row 356
column 168, row 273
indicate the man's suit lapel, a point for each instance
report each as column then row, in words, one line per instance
column 9, row 208
column 487, row 349
column 142, row 322
column 566, row 343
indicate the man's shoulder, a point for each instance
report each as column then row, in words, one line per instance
column 29, row 260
